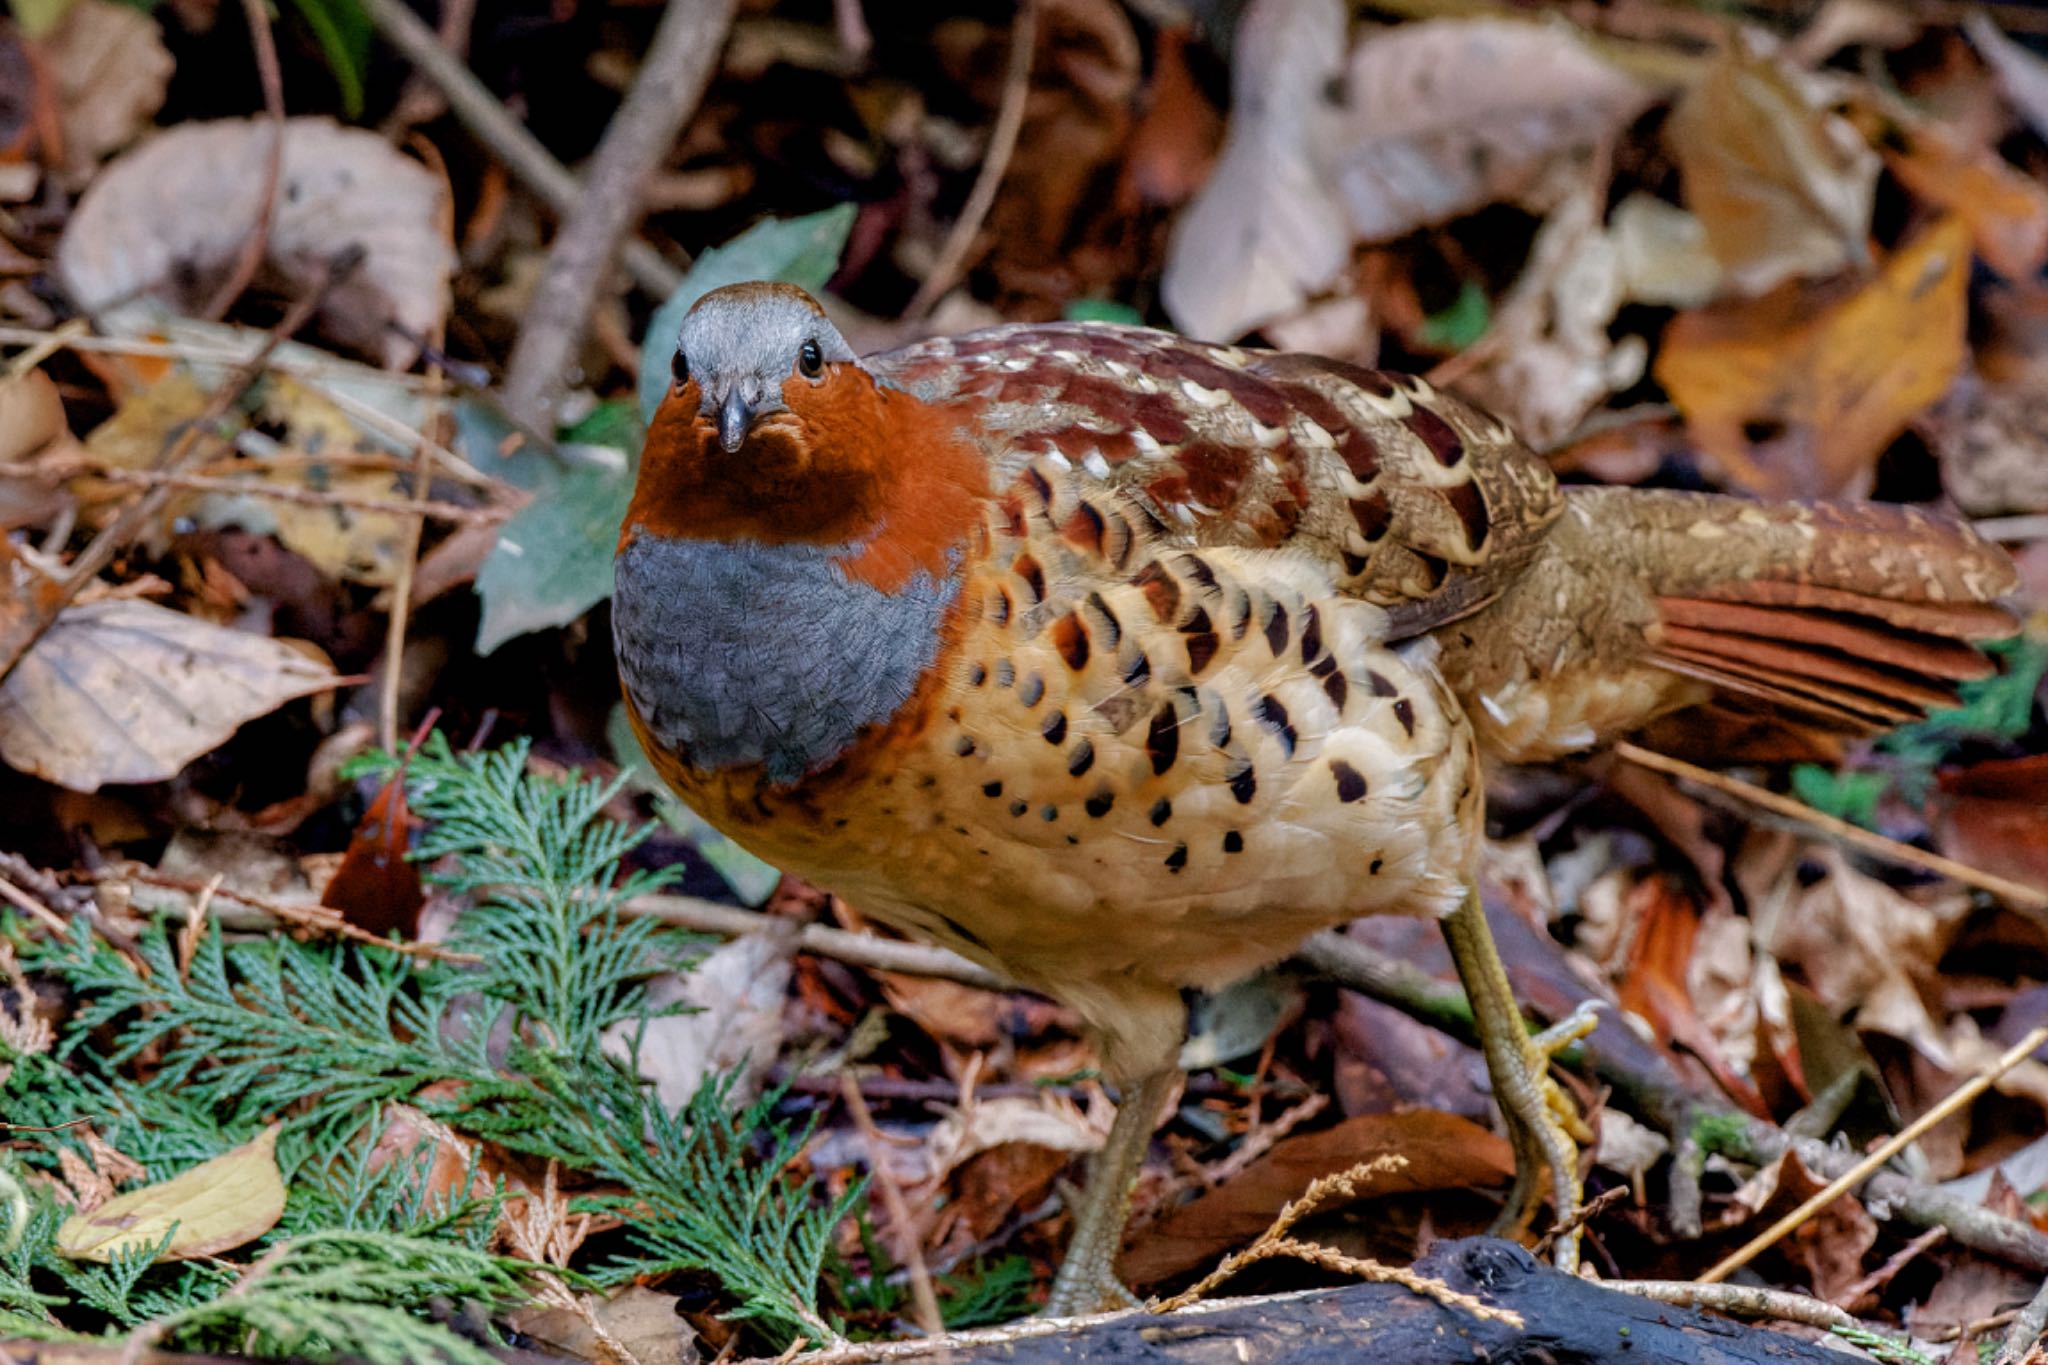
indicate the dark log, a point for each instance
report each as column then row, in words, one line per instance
column 1565, row 1321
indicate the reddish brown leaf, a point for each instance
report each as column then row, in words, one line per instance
column 376, row 888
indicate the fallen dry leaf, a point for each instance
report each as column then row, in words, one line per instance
column 1435, row 119
column 163, row 224
column 1443, row 1153
column 2007, row 211
column 1449, row 115
column 31, row 415
column 734, row 996
column 1992, row 440
column 1655, row 984
column 635, row 1326
column 2022, row 75
column 1861, row 945
column 214, row 1207
column 127, row 691
column 1663, row 253
column 1550, row 358
column 1824, row 383
column 1265, row 235
column 110, row 70
column 1783, row 187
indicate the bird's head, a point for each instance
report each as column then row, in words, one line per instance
column 773, row 431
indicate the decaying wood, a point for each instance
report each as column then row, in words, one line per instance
column 1563, row 1319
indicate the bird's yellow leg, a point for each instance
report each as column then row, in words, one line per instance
column 1087, row 1281
column 1543, row 1125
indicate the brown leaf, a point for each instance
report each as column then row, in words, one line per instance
column 165, row 223
column 1836, row 377
column 1783, row 187
column 214, row 1207
column 1436, row 119
column 1175, row 142
column 111, row 70
column 2007, row 211
column 1994, row 816
column 1655, row 985
column 377, row 888
column 127, row 691
column 1443, row 1152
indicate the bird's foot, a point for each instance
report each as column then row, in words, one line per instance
column 1545, row 1128
column 1082, row 1289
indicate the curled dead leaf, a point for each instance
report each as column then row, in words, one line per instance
column 214, row 1207
column 1783, row 186
column 110, row 70
column 165, row 223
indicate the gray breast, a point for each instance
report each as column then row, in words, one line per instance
column 737, row 654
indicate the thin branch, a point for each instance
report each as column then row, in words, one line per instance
column 908, row 1249
column 2027, row 1331
column 1885, row 1151
column 679, row 64
column 309, row 497
column 1741, row 1301
column 492, row 124
column 1002, row 143
column 861, row 950
column 258, row 239
column 2017, row 894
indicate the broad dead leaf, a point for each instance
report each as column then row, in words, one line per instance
column 214, row 1207
column 1824, row 382
column 165, row 223
column 2022, row 75
column 1551, row 358
column 2007, row 211
column 734, row 996
column 110, row 70
column 1265, row 234
column 1783, row 187
column 127, row 691
column 31, row 415
column 1443, row 1153
column 1449, row 115
column 635, row 1326
column 1992, row 440
column 1436, row 119
column 1663, row 253
column 1865, row 947
column 1657, row 982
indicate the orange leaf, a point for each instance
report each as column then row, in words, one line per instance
column 1831, row 379
column 2006, row 211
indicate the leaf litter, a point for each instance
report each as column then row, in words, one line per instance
column 1745, row 255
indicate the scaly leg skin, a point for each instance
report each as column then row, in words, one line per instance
column 1543, row 1125
column 1087, row 1281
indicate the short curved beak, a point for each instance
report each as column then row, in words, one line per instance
column 734, row 417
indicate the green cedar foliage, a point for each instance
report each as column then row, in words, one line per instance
column 173, row 1067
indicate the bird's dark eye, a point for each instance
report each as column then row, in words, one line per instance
column 679, row 368
column 810, row 360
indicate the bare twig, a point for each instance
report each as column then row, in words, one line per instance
column 492, row 124
column 679, row 64
column 1740, row 1301
column 862, row 950
column 1002, row 143
column 2017, row 894
column 309, row 497
column 2027, row 1331
column 318, row 919
column 1885, row 1151
column 258, row 238
column 909, row 1250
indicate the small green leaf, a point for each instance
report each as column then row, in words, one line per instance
column 1102, row 310
column 553, row 559
column 38, row 17
column 1461, row 324
column 1847, row 795
column 800, row 251
column 342, row 29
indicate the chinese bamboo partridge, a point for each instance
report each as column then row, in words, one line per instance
column 1121, row 663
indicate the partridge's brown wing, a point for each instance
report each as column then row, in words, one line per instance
column 1412, row 499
